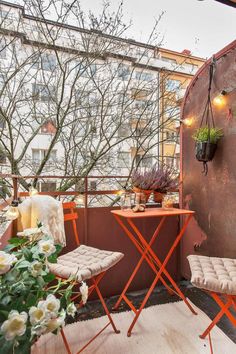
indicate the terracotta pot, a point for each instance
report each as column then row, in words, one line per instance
column 158, row 197
column 147, row 192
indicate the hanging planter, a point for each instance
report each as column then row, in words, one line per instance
column 207, row 136
column 206, row 143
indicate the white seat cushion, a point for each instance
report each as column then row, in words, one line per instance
column 213, row 274
column 84, row 262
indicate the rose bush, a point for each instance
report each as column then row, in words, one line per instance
column 32, row 301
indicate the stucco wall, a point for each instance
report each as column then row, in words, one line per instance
column 213, row 197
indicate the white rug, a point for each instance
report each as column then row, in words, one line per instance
column 163, row 329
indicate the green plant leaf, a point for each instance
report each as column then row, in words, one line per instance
column 17, row 241
column 49, row 277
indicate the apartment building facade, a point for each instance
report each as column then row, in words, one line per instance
column 85, row 98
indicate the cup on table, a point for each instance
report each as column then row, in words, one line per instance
column 168, row 201
column 125, row 201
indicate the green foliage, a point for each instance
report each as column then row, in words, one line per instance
column 205, row 134
column 22, row 287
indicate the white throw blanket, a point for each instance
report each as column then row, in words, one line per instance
column 44, row 209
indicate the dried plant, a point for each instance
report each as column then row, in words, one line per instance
column 161, row 179
column 167, row 180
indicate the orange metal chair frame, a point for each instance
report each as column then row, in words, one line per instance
column 230, row 302
column 125, row 220
column 73, row 216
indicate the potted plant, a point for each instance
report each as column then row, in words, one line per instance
column 166, row 182
column 206, row 142
column 145, row 182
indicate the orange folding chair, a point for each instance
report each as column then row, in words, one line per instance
column 217, row 276
column 86, row 263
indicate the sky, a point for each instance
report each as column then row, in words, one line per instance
column 204, row 27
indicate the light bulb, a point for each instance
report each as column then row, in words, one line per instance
column 33, row 191
column 120, row 192
column 220, row 100
column 12, row 212
column 188, row 121
column 79, row 201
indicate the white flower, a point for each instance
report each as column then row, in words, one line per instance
column 71, row 309
column 54, row 323
column 6, row 261
column 46, row 247
column 34, row 233
column 51, row 305
column 36, row 268
column 84, row 292
column 37, row 315
column 15, row 325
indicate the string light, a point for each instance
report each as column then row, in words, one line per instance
column 188, row 122
column 220, row 100
column 80, row 201
column 13, row 211
column 120, row 192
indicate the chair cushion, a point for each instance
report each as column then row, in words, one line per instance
column 84, row 262
column 213, row 274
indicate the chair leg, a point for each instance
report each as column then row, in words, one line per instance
column 105, row 307
column 224, row 311
column 65, row 342
column 94, row 286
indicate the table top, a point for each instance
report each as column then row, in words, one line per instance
column 152, row 212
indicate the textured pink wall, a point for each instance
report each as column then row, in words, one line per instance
column 213, row 197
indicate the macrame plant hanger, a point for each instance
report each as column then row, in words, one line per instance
column 207, row 117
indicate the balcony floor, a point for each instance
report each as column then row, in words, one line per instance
column 93, row 309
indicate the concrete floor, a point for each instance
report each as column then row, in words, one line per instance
column 94, row 309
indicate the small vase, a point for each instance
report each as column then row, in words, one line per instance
column 147, row 192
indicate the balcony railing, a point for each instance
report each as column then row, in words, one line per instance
column 98, row 228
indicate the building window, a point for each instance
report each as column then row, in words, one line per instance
column 86, row 70
column 46, row 61
column 3, row 158
column 171, row 136
column 143, row 76
column 169, row 160
column 38, row 155
column 173, row 85
column 124, row 131
column 190, row 67
column 123, row 159
column 48, row 186
column 123, row 71
column 49, row 62
column 143, row 161
column 2, row 122
column 93, row 185
column 42, row 92
column 147, row 162
column 169, row 60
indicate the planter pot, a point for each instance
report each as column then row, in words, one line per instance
column 147, row 192
column 158, row 197
column 205, row 151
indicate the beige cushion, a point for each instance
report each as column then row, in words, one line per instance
column 214, row 274
column 84, row 262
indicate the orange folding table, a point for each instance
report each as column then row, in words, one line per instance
column 126, row 219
